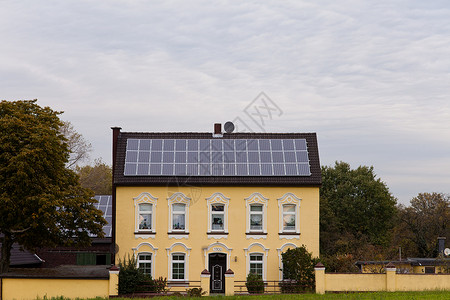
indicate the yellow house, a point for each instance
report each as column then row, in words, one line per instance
column 186, row 202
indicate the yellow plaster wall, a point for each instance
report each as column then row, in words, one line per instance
column 25, row 288
column 198, row 219
column 355, row 282
column 419, row 282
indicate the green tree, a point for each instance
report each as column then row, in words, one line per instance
column 420, row 224
column 98, row 177
column 356, row 209
column 41, row 200
column 298, row 265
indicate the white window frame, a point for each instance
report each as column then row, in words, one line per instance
column 262, row 250
column 178, row 198
column 145, row 198
column 147, row 248
column 256, row 262
column 186, row 253
column 256, row 198
column 289, row 198
column 178, row 261
column 139, row 261
column 217, row 198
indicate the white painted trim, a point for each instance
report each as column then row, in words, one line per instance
column 144, row 236
column 247, row 252
column 256, row 198
column 179, row 198
column 145, row 197
column 289, row 198
column 280, row 262
column 186, row 261
column 216, row 236
column 218, row 198
column 289, row 237
column 256, row 236
column 217, row 245
column 178, row 236
column 153, row 252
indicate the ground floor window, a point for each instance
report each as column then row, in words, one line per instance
column 145, row 263
column 178, row 266
column 256, row 264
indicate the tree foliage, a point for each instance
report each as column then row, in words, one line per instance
column 98, row 177
column 420, row 224
column 41, row 201
column 78, row 147
column 298, row 265
column 356, row 209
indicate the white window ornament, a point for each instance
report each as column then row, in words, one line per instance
column 256, row 207
column 289, row 212
column 145, row 213
column 178, row 213
column 217, row 213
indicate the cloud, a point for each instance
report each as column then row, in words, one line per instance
column 371, row 78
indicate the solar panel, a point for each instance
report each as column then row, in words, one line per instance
column 105, row 205
column 217, row 157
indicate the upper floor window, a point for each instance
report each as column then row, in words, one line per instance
column 179, row 217
column 217, row 217
column 256, row 206
column 145, row 263
column 256, row 217
column 289, row 217
column 145, row 213
column 218, row 214
column 179, row 213
column 145, row 216
column 289, row 208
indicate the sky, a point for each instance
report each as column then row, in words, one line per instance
column 371, row 78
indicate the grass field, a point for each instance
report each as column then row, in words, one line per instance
column 379, row 295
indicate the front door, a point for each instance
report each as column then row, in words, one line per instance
column 217, row 268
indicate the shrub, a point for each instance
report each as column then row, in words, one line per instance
column 298, row 270
column 195, row 292
column 254, row 284
column 130, row 277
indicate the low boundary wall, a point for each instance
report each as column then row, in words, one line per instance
column 26, row 287
column 389, row 281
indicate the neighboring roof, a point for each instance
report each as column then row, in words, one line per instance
column 411, row 261
column 105, row 205
column 65, row 271
column 306, row 177
column 20, row 257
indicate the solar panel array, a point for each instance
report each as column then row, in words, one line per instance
column 105, row 205
column 217, row 157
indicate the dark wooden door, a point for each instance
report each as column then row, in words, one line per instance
column 217, row 268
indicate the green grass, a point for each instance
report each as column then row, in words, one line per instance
column 379, row 295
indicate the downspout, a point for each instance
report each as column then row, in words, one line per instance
column 116, row 133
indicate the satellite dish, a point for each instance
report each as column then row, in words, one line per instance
column 229, row 127
column 447, row 251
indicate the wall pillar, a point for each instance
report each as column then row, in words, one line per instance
column 319, row 271
column 390, row 277
column 205, row 278
column 114, row 281
column 229, row 283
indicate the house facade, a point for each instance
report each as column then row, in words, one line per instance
column 186, row 202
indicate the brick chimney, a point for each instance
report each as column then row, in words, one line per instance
column 441, row 243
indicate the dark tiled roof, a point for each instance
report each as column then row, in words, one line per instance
column 66, row 272
column 314, row 179
column 20, row 257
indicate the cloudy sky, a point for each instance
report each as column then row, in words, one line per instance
column 371, row 78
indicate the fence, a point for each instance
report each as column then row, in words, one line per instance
column 271, row 287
